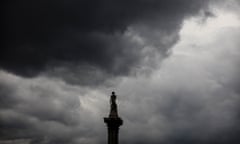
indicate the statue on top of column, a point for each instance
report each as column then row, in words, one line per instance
column 113, row 110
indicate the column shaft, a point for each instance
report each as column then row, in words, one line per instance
column 112, row 135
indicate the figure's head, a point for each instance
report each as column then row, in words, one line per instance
column 113, row 93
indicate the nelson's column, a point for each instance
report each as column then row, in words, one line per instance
column 113, row 121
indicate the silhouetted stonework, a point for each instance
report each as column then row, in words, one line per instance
column 113, row 121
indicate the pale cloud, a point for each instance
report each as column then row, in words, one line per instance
column 194, row 91
column 43, row 110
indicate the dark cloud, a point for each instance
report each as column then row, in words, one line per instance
column 193, row 98
column 164, row 107
column 40, row 34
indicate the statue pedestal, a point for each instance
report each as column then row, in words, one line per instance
column 113, row 124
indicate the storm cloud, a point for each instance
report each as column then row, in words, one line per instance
column 174, row 66
column 103, row 34
column 191, row 98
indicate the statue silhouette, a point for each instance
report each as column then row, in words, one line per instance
column 113, row 110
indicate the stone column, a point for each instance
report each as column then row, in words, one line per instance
column 113, row 121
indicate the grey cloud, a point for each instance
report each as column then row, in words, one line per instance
column 41, row 35
column 186, row 101
column 42, row 112
column 180, row 114
column 160, row 108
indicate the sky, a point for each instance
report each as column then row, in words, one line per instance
column 174, row 66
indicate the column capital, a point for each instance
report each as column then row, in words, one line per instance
column 113, row 122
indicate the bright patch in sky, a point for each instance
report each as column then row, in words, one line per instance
column 196, row 34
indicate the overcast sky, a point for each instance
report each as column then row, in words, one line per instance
column 173, row 64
